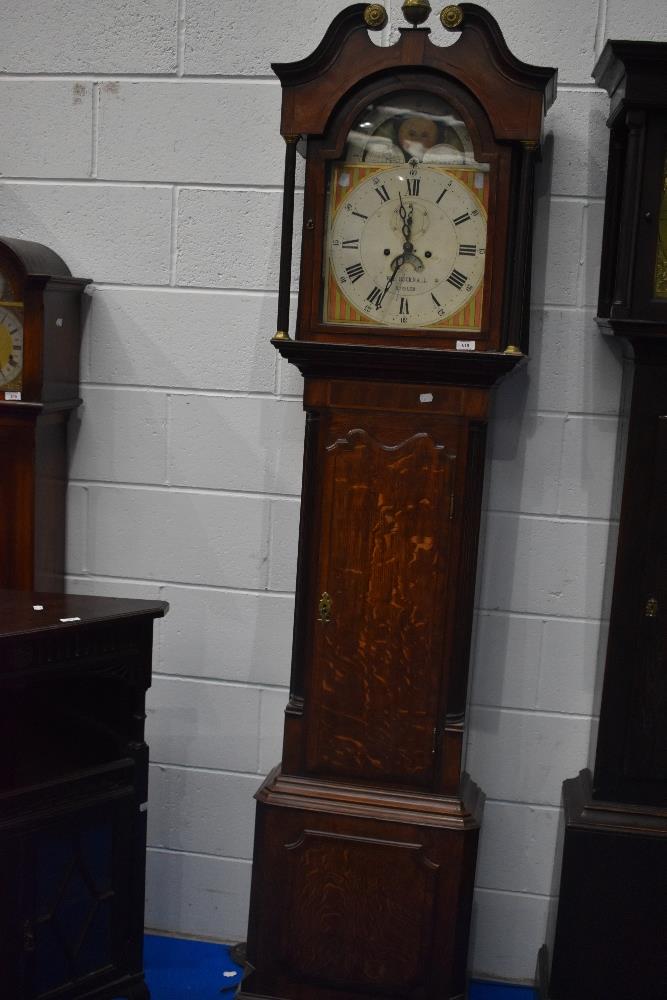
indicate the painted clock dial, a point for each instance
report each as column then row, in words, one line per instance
column 406, row 236
column 407, row 244
column 11, row 337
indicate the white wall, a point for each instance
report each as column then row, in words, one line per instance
column 140, row 140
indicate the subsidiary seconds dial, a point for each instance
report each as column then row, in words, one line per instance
column 407, row 245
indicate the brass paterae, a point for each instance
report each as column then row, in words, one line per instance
column 451, row 17
column 375, row 16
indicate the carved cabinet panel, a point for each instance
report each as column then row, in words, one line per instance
column 383, row 562
column 335, row 892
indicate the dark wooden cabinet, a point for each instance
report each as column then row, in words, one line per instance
column 73, row 791
column 412, row 306
column 611, row 930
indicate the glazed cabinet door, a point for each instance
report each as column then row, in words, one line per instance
column 377, row 642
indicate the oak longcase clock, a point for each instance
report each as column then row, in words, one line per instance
column 40, row 334
column 413, row 299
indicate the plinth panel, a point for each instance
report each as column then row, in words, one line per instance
column 355, row 899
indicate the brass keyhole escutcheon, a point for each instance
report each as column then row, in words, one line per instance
column 324, row 607
column 651, row 609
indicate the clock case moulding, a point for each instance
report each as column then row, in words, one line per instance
column 33, row 429
column 366, row 834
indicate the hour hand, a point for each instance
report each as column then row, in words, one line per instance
column 396, row 264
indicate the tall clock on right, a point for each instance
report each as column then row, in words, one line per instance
column 611, row 930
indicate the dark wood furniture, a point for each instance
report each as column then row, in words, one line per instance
column 40, row 334
column 73, row 790
column 366, row 833
column 611, row 933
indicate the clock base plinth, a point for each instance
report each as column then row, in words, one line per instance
column 610, row 933
column 360, row 891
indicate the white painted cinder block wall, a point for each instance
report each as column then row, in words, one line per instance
column 140, row 140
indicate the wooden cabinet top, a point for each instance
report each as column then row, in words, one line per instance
column 27, row 613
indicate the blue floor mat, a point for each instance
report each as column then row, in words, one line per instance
column 177, row 969
column 500, row 991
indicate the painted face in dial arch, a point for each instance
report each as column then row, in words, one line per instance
column 416, row 135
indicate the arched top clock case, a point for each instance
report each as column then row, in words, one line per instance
column 40, row 336
column 417, row 245
column 40, row 326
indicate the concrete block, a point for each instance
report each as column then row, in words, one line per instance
column 505, row 660
column 47, row 128
column 176, row 536
column 226, row 41
column 204, row 812
column 109, row 233
column 573, row 367
column 508, row 929
column 119, row 435
column 197, row 896
column 591, row 254
column 76, row 529
column 129, row 589
column 578, row 124
column 525, row 450
column 539, row 566
column 517, row 848
column 556, row 251
column 525, row 756
column 231, row 636
column 588, row 466
column 534, row 35
column 284, row 544
column 236, row 443
column 203, row 724
column 191, row 132
column 182, row 339
column 648, row 21
column 570, row 676
column 88, row 36
column 271, row 724
column 207, row 257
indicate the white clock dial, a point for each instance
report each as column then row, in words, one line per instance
column 407, row 246
column 11, row 346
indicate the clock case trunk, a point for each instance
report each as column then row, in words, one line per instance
column 366, row 833
column 610, row 930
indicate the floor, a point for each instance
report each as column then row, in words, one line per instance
column 177, row 969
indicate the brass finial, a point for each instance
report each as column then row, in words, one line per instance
column 416, row 11
column 451, row 17
column 511, row 349
column 375, row 16
column 281, row 335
